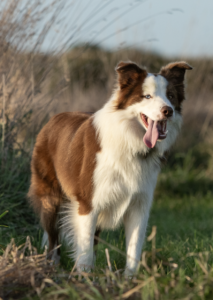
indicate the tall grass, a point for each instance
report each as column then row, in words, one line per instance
column 34, row 85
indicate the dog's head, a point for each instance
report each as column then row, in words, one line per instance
column 153, row 99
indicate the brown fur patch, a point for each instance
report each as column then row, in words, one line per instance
column 130, row 79
column 172, row 91
column 174, row 73
column 62, row 166
column 76, row 171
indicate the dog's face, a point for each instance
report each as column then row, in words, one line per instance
column 154, row 100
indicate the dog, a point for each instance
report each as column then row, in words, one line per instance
column 95, row 171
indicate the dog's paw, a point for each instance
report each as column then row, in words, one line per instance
column 129, row 274
column 84, row 268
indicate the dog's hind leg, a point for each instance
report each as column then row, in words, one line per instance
column 49, row 218
column 47, row 207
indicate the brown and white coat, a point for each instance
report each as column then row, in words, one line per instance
column 97, row 171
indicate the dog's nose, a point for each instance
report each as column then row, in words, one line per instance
column 167, row 111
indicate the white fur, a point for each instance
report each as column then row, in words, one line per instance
column 78, row 231
column 125, row 175
column 68, row 222
column 155, row 86
column 44, row 241
column 135, row 222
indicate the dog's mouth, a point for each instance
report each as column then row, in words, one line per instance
column 155, row 130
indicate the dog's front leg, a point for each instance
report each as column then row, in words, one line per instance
column 135, row 222
column 85, row 231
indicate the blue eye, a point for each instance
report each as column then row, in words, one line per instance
column 147, row 96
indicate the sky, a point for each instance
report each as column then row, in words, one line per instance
column 170, row 27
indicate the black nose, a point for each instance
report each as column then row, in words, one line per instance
column 167, row 111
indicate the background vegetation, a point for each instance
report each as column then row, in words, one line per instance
column 177, row 262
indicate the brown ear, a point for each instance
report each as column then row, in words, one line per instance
column 129, row 73
column 174, row 72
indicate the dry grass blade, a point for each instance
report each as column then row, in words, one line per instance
column 108, row 259
column 202, row 267
column 137, row 288
column 151, row 237
column 20, row 268
column 144, row 262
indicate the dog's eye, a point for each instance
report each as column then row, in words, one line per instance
column 147, row 96
column 170, row 96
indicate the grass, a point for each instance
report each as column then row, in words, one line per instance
column 182, row 212
column 34, row 87
column 14, row 182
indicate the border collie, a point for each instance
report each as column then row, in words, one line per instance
column 93, row 172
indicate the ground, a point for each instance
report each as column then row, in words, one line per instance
column 182, row 213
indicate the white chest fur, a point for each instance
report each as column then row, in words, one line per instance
column 121, row 174
column 118, row 182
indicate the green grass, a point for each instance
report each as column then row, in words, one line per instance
column 14, row 183
column 182, row 211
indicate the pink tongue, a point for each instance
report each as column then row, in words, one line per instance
column 151, row 136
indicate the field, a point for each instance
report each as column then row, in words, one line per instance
column 177, row 258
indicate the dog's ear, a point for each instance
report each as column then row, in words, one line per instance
column 129, row 73
column 174, row 72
